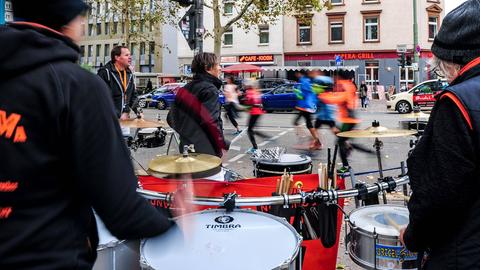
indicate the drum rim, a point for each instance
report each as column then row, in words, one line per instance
column 299, row 238
column 369, row 233
column 307, row 161
column 358, row 260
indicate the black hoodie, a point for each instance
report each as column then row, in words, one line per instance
column 61, row 154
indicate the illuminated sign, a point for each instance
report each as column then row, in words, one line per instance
column 256, row 58
column 357, row 56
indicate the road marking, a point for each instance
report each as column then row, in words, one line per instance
column 264, row 143
column 235, row 148
column 237, row 157
column 282, row 133
column 274, row 138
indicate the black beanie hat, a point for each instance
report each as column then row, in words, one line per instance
column 51, row 13
column 458, row 40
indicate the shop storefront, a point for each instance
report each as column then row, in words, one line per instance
column 376, row 68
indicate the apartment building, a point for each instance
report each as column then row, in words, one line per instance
column 262, row 45
column 366, row 35
column 154, row 52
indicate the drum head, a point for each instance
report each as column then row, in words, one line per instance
column 290, row 159
column 105, row 238
column 147, row 130
column 379, row 217
column 240, row 240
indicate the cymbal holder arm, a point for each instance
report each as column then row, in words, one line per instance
column 187, row 149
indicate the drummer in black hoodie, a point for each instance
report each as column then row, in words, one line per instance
column 61, row 147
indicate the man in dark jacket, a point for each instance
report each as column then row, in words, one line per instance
column 196, row 113
column 62, row 152
column 444, row 168
column 120, row 80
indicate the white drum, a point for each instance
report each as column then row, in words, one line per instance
column 239, row 240
column 113, row 253
column 374, row 242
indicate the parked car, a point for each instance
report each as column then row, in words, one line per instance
column 421, row 95
column 280, row 98
column 160, row 98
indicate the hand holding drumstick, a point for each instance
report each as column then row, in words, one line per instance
column 395, row 225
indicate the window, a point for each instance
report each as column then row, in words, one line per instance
column 115, row 28
column 406, row 77
column 123, row 27
column 371, row 71
column 99, row 29
column 335, row 27
column 90, row 51
column 133, row 49
column 228, row 8
column 371, row 1
column 142, row 26
column 264, row 34
column 90, row 29
column 371, row 29
column 97, row 52
column 107, row 28
column 304, row 32
column 106, row 53
column 336, row 2
column 228, row 37
column 432, row 27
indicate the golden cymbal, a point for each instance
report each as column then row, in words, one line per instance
column 416, row 115
column 141, row 123
column 377, row 132
column 179, row 164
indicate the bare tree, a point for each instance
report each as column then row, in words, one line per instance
column 250, row 13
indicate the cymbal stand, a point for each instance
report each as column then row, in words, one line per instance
column 378, row 146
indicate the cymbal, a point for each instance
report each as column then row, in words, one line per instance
column 192, row 164
column 141, row 123
column 416, row 115
column 376, row 132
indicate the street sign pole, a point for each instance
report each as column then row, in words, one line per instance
column 415, row 41
column 199, row 26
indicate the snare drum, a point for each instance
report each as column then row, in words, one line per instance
column 374, row 243
column 239, row 240
column 151, row 137
column 295, row 164
column 113, row 253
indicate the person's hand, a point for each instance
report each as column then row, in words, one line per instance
column 125, row 116
column 182, row 200
column 402, row 234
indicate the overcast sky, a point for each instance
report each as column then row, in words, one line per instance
column 451, row 4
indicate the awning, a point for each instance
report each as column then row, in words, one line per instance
column 322, row 68
column 241, row 68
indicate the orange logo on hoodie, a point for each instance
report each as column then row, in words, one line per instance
column 9, row 127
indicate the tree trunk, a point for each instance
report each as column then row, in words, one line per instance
column 217, row 30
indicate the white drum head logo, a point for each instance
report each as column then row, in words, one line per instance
column 224, row 219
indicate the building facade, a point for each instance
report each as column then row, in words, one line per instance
column 150, row 53
column 261, row 45
column 365, row 35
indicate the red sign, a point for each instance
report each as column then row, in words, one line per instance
column 357, row 56
column 255, row 58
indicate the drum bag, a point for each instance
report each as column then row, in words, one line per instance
column 323, row 219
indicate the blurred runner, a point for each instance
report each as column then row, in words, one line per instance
column 325, row 112
column 254, row 99
column 306, row 106
column 231, row 93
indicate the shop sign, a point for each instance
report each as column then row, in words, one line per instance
column 357, row 56
column 228, row 59
column 256, row 58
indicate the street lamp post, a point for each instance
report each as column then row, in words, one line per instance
column 389, row 69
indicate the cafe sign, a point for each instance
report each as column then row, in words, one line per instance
column 255, row 58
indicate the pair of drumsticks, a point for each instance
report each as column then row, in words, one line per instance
column 324, row 182
column 286, row 185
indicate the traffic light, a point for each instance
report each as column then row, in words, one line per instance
column 188, row 27
column 184, row 3
column 409, row 60
column 401, row 60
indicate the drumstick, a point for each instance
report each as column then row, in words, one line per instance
column 392, row 222
column 277, row 188
column 290, row 185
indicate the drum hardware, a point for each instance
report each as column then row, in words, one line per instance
column 229, row 201
column 315, row 196
column 404, row 187
column 293, row 163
